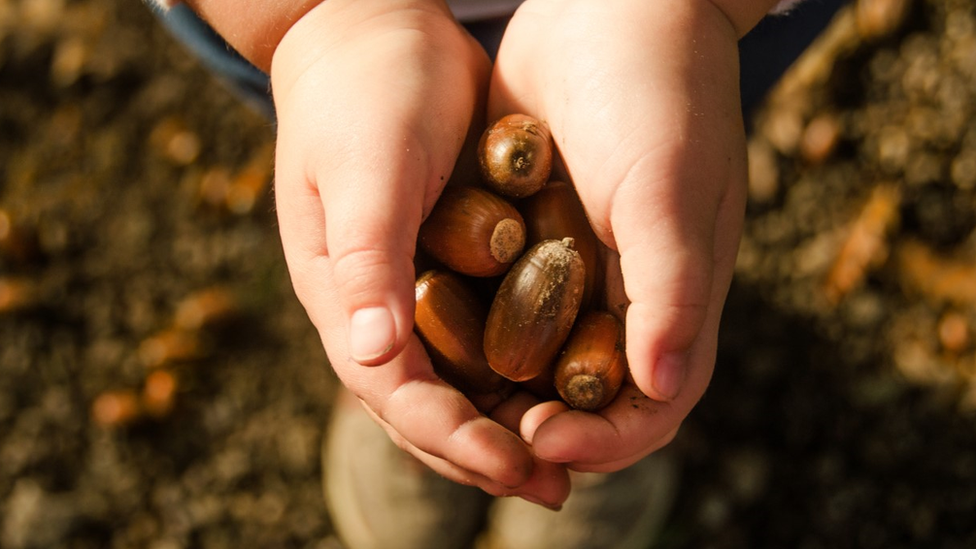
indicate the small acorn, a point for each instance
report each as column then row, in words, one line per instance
column 18, row 241
column 205, row 308
column 450, row 320
column 515, row 155
column 159, row 393
column 472, row 231
column 116, row 408
column 18, row 294
column 555, row 212
column 170, row 346
column 534, row 309
column 592, row 366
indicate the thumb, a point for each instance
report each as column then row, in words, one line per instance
column 677, row 241
column 349, row 233
column 371, row 233
column 370, row 125
column 667, row 270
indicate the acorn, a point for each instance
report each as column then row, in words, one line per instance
column 170, row 346
column 18, row 241
column 472, row 231
column 450, row 320
column 18, row 294
column 515, row 155
column 592, row 365
column 534, row 309
column 205, row 308
column 159, row 393
column 116, row 408
column 555, row 212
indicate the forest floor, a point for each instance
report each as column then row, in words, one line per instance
column 161, row 386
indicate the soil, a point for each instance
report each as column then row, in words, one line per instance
column 163, row 388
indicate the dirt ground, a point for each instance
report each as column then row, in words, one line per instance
column 161, row 387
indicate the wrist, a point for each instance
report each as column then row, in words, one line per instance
column 253, row 27
column 367, row 32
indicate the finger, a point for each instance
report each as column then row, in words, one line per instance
column 631, row 427
column 548, row 485
column 441, row 466
column 536, row 416
column 368, row 242
column 612, row 466
column 438, row 420
column 677, row 270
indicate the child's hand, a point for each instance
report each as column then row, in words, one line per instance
column 642, row 99
column 374, row 100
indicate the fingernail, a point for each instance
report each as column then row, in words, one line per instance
column 669, row 375
column 372, row 333
column 537, row 501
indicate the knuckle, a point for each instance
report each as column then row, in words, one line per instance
column 356, row 271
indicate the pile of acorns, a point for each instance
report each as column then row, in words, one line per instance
column 544, row 330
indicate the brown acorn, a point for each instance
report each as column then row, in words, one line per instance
column 555, row 212
column 18, row 294
column 592, row 366
column 205, row 308
column 17, row 240
column 534, row 309
column 170, row 346
column 116, row 408
column 515, row 155
column 159, row 393
column 473, row 232
column 450, row 320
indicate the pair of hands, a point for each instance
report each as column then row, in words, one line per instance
column 375, row 99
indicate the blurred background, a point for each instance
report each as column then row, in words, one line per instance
column 161, row 387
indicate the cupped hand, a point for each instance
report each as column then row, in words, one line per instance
column 374, row 100
column 642, row 100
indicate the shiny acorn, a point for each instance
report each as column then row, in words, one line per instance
column 534, row 309
column 592, row 365
column 515, row 155
column 555, row 212
column 473, row 232
column 450, row 320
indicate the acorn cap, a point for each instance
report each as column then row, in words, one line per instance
column 473, row 232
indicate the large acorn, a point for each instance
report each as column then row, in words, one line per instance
column 592, row 366
column 450, row 320
column 472, row 231
column 555, row 212
column 534, row 309
column 515, row 155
